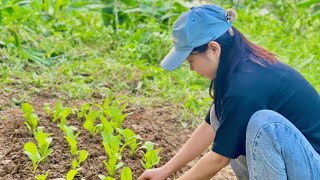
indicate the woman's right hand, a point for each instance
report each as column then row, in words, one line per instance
column 153, row 174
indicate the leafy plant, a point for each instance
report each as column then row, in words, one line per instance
column 71, row 174
column 103, row 177
column 57, row 111
column 47, row 109
column 89, row 123
column 112, row 148
column 115, row 114
column 31, row 119
column 130, row 140
column 126, row 174
column 43, row 140
column 63, row 116
column 84, row 110
column 42, row 176
column 83, row 154
column 32, row 152
column 151, row 157
column 71, row 138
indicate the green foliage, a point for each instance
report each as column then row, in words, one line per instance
column 130, row 140
column 42, row 176
column 31, row 119
column 84, row 110
column 114, row 112
column 112, row 148
column 151, row 157
column 33, row 153
column 126, row 174
column 71, row 138
column 47, row 109
column 103, row 177
column 89, row 123
column 71, row 174
column 44, row 140
column 83, row 154
column 57, row 111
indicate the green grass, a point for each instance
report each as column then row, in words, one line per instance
column 70, row 53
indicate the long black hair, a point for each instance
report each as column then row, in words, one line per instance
column 235, row 49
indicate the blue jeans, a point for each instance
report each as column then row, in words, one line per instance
column 276, row 150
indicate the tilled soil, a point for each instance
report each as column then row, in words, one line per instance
column 159, row 125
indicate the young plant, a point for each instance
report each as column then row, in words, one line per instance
column 42, row 176
column 47, row 109
column 84, row 110
column 108, row 130
column 31, row 119
column 71, row 138
column 116, row 116
column 89, row 123
column 57, row 111
column 83, row 154
column 103, row 177
column 43, row 140
column 126, row 174
column 63, row 117
column 32, row 152
column 71, row 174
column 112, row 148
column 151, row 157
column 130, row 140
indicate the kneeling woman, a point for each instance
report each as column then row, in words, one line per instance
column 265, row 119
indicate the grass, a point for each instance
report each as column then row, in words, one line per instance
column 72, row 54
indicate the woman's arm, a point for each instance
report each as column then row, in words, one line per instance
column 208, row 166
column 199, row 141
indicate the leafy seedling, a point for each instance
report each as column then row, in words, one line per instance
column 57, row 111
column 32, row 152
column 112, row 148
column 84, row 110
column 47, row 109
column 83, row 155
column 31, row 119
column 43, row 140
column 130, row 140
column 71, row 174
column 151, row 157
column 89, row 123
column 42, row 176
column 126, row 174
column 71, row 138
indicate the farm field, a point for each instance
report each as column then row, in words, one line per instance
column 82, row 93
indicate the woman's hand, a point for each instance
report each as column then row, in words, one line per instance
column 153, row 174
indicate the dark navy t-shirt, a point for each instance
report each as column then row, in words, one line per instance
column 276, row 87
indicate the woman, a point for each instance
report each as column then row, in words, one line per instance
column 265, row 115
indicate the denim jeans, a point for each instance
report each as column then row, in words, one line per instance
column 275, row 150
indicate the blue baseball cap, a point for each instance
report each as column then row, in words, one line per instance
column 196, row 27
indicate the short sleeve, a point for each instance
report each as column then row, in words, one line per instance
column 231, row 133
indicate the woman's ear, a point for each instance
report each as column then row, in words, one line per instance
column 215, row 47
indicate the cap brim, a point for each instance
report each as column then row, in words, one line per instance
column 174, row 59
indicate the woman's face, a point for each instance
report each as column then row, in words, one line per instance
column 206, row 63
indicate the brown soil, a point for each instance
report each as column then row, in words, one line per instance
column 159, row 125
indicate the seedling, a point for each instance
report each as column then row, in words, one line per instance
column 71, row 138
column 103, row 177
column 71, row 174
column 47, row 109
column 32, row 152
column 57, row 112
column 151, row 157
column 115, row 115
column 84, row 110
column 83, row 154
column 43, row 140
column 126, row 174
column 42, row 176
column 112, row 148
column 63, row 117
column 89, row 123
column 130, row 140
column 31, row 119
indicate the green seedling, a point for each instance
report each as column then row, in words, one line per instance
column 103, row 177
column 42, row 176
column 89, row 123
column 126, row 174
column 115, row 115
column 83, row 154
column 112, row 148
column 108, row 130
column 47, row 109
column 71, row 138
column 57, row 111
column 31, row 119
column 71, row 174
column 151, row 157
column 43, row 140
column 63, row 117
column 32, row 152
column 84, row 110
column 130, row 140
